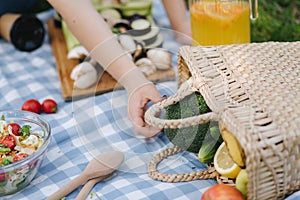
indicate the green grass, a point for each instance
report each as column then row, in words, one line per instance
column 279, row 20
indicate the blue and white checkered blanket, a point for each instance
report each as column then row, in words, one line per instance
column 84, row 128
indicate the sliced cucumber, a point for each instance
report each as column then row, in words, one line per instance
column 148, row 38
column 122, row 26
column 157, row 43
column 135, row 17
column 111, row 12
column 136, row 7
column 140, row 27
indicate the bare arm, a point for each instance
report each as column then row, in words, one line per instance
column 176, row 12
column 93, row 33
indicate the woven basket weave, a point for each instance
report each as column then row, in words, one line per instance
column 254, row 89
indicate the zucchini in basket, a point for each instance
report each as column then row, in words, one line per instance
column 189, row 138
column 210, row 144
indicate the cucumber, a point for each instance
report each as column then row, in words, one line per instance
column 148, row 38
column 140, row 27
column 136, row 7
column 207, row 151
column 157, row 43
column 135, row 17
column 111, row 12
column 215, row 133
column 211, row 143
column 130, row 8
column 122, row 26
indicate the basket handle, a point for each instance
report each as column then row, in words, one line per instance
column 153, row 173
column 151, row 118
column 152, row 113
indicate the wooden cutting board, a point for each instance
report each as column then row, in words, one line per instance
column 64, row 67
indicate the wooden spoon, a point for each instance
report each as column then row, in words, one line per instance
column 100, row 166
column 88, row 186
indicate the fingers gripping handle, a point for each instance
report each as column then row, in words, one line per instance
column 152, row 114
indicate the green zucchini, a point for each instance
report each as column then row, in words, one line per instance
column 215, row 133
column 211, row 143
column 207, row 151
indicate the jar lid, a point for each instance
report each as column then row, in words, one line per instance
column 27, row 33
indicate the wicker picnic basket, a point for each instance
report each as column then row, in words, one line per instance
column 254, row 90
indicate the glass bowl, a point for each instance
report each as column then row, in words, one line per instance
column 17, row 175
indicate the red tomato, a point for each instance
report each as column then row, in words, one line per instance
column 2, row 177
column 8, row 141
column 19, row 156
column 49, row 106
column 32, row 105
column 15, row 128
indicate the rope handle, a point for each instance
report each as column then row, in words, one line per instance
column 152, row 113
column 153, row 173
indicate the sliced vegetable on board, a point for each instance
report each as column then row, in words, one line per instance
column 140, row 27
column 136, row 7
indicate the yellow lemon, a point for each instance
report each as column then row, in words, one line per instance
column 224, row 164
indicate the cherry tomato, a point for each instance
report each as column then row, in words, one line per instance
column 8, row 141
column 2, row 177
column 32, row 105
column 15, row 128
column 19, row 156
column 49, row 106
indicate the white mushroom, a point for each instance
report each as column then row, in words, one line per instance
column 78, row 52
column 161, row 58
column 146, row 66
column 92, row 61
column 84, row 75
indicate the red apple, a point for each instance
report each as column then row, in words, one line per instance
column 222, row 192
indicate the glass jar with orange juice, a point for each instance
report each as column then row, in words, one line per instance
column 217, row 22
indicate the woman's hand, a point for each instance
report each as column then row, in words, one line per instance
column 137, row 102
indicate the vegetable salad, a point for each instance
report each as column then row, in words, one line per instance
column 17, row 142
